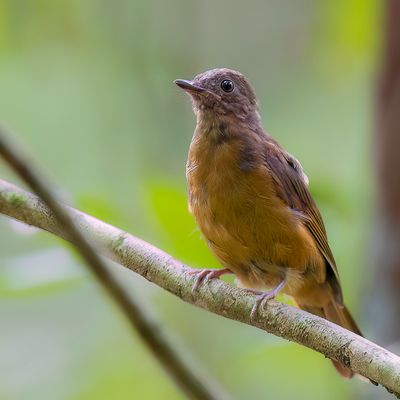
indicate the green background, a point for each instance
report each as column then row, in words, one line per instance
column 86, row 87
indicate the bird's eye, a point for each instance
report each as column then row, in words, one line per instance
column 227, row 85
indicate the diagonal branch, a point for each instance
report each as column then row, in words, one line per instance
column 357, row 353
column 194, row 386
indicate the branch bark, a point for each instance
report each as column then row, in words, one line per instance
column 194, row 386
column 355, row 352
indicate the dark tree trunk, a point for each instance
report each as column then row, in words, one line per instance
column 384, row 296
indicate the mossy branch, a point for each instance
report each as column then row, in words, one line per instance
column 359, row 354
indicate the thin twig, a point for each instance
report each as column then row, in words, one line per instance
column 359, row 354
column 148, row 329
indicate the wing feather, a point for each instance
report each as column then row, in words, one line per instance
column 292, row 186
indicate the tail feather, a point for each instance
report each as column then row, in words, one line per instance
column 339, row 315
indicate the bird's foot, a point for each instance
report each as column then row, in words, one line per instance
column 261, row 299
column 204, row 275
column 264, row 297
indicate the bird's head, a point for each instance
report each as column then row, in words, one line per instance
column 221, row 91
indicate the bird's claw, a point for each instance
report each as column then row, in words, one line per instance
column 205, row 275
column 262, row 298
column 202, row 276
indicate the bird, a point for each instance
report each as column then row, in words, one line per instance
column 251, row 201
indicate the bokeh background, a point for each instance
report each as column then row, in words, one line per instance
column 86, row 87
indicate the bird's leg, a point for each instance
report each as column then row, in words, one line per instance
column 265, row 296
column 203, row 275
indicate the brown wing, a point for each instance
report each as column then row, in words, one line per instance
column 291, row 185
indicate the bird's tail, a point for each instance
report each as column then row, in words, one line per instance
column 339, row 315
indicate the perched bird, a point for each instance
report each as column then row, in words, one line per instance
column 250, row 199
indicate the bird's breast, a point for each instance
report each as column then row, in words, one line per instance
column 233, row 199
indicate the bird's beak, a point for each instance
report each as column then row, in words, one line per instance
column 188, row 86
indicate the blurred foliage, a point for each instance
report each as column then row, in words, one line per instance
column 87, row 88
